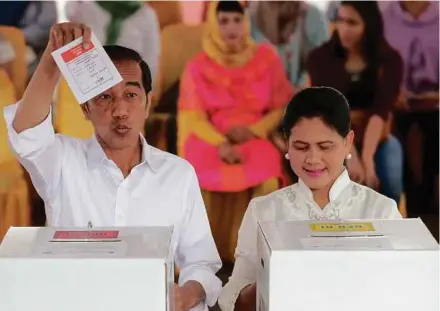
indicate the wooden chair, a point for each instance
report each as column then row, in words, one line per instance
column 14, row 195
column 180, row 43
column 19, row 65
column 68, row 116
column 167, row 12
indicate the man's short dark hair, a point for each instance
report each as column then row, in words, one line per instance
column 120, row 53
column 325, row 103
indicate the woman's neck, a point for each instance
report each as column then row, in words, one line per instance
column 354, row 61
column 415, row 8
column 322, row 196
column 354, row 53
column 126, row 158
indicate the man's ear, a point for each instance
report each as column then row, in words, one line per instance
column 148, row 106
column 85, row 110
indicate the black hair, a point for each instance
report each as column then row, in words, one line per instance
column 374, row 44
column 121, row 53
column 230, row 7
column 322, row 102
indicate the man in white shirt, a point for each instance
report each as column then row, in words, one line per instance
column 115, row 178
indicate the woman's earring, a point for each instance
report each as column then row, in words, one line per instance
column 348, row 157
column 287, row 156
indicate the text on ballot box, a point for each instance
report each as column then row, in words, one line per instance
column 345, row 266
column 78, row 269
column 88, row 72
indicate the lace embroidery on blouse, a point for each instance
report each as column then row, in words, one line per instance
column 332, row 210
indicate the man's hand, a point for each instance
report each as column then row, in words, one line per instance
column 188, row 296
column 228, row 154
column 37, row 99
column 239, row 135
column 60, row 35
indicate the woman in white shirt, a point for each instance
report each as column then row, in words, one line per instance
column 317, row 124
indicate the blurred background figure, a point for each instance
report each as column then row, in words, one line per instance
column 359, row 62
column 294, row 28
column 412, row 28
column 333, row 6
column 7, row 55
column 132, row 24
column 232, row 97
column 332, row 11
column 34, row 19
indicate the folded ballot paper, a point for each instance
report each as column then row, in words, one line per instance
column 343, row 266
column 88, row 72
column 87, row 269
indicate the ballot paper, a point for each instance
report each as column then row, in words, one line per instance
column 88, row 72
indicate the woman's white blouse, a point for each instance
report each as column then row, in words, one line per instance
column 348, row 200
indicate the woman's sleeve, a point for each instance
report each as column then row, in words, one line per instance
column 191, row 116
column 388, row 86
column 246, row 262
column 282, row 92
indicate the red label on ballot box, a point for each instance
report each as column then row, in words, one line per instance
column 86, row 235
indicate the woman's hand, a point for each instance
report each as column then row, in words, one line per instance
column 371, row 179
column 229, row 154
column 355, row 168
column 239, row 135
column 247, row 300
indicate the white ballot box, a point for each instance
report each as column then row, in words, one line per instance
column 343, row 266
column 89, row 270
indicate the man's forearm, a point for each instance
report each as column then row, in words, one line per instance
column 36, row 101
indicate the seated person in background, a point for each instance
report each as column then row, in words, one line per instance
column 332, row 10
column 419, row 48
column 132, row 24
column 7, row 55
column 34, row 19
column 333, row 7
column 232, row 97
column 359, row 62
column 317, row 124
column 114, row 178
column 294, row 28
